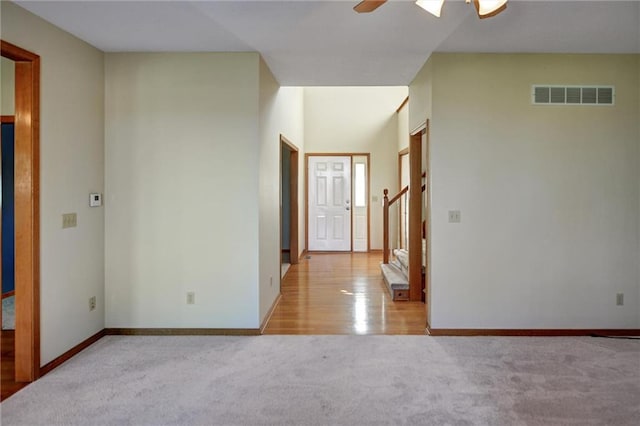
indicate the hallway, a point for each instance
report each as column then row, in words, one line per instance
column 342, row 294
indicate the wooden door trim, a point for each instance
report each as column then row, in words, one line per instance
column 415, row 217
column 306, row 193
column 402, row 105
column 294, row 229
column 427, row 214
column 368, row 202
column 27, row 209
column 1, row 255
column 415, row 214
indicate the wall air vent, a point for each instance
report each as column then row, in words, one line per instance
column 572, row 95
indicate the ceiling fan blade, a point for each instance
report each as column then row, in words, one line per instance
column 488, row 9
column 367, row 6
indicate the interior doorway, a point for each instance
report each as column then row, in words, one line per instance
column 337, row 202
column 26, row 210
column 7, row 228
column 419, row 223
column 289, row 238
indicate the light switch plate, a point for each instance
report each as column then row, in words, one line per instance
column 69, row 220
column 454, row 216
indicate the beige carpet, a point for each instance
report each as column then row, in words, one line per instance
column 338, row 380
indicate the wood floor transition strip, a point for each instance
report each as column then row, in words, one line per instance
column 270, row 313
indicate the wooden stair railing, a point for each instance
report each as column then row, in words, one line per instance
column 416, row 204
column 385, row 220
column 385, row 217
column 415, row 222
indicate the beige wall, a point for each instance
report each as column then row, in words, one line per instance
column 549, row 195
column 281, row 113
column 7, row 94
column 403, row 128
column 182, row 169
column 638, row 124
column 420, row 97
column 358, row 119
column 71, row 167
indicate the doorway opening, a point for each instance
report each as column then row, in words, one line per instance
column 7, row 230
column 337, row 202
column 26, row 360
column 419, row 241
column 288, row 205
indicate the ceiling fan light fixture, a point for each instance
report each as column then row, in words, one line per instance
column 434, row 7
column 489, row 8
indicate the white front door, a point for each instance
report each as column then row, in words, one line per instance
column 329, row 203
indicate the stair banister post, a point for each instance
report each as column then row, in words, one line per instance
column 385, row 225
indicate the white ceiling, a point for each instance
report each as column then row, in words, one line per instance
column 325, row 43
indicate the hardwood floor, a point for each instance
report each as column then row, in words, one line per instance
column 8, row 385
column 326, row 294
column 342, row 294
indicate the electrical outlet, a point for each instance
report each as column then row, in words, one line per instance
column 92, row 303
column 191, row 298
column 69, row 220
column 454, row 216
column 620, row 299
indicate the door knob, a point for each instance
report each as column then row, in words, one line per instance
column 347, row 208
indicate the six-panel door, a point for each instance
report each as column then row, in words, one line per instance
column 329, row 203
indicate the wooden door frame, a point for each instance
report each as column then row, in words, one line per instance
column 293, row 201
column 415, row 217
column 306, row 193
column 427, row 216
column 27, row 210
column 416, row 287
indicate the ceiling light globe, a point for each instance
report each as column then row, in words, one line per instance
column 434, row 7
